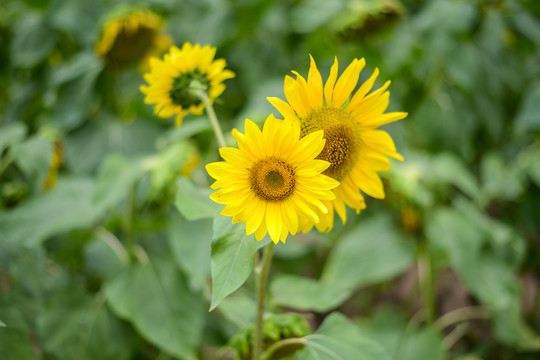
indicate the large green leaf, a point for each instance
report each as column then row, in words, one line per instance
column 85, row 333
column 11, row 134
column 154, row 296
column 15, row 337
column 401, row 340
column 338, row 339
column 115, row 180
column 33, row 41
column 486, row 274
column 308, row 294
column 33, row 156
column 372, row 252
column 66, row 207
column 527, row 118
column 194, row 203
column 190, row 242
column 232, row 257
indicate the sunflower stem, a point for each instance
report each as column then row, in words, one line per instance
column 261, row 280
column 425, row 277
column 212, row 116
column 130, row 241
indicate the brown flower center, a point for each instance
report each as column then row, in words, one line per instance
column 130, row 47
column 342, row 139
column 272, row 179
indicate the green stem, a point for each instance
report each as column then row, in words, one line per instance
column 213, row 118
column 462, row 314
column 280, row 344
column 130, row 241
column 535, row 310
column 451, row 339
column 261, row 279
column 425, row 277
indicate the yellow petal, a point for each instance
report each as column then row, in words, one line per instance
column 315, row 85
column 347, row 82
column 329, row 86
column 296, row 97
column 286, row 111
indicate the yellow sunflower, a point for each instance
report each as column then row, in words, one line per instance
column 355, row 148
column 272, row 179
column 131, row 36
column 171, row 81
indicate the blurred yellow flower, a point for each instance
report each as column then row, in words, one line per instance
column 131, row 36
column 355, row 149
column 272, row 179
column 171, row 81
column 56, row 160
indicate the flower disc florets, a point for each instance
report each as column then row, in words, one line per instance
column 355, row 148
column 173, row 81
column 272, row 182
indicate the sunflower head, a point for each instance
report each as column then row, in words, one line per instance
column 273, row 181
column 349, row 119
column 173, row 81
column 130, row 36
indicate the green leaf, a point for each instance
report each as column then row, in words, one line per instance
column 308, row 294
column 500, row 180
column 190, row 242
column 401, row 340
column 66, row 207
column 448, row 168
column 370, row 253
column 74, row 98
column 309, row 15
column 527, row 118
column 232, row 257
column 86, row 333
column 512, row 329
column 11, row 134
column 423, row 344
column 33, row 156
column 194, row 203
column 485, row 274
column 33, row 41
column 154, row 296
column 338, row 339
column 2, row 324
column 115, row 180
column 74, row 68
column 239, row 308
column 15, row 339
column 104, row 255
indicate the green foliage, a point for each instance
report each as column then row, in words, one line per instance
column 154, row 297
column 276, row 327
column 338, row 338
column 232, row 257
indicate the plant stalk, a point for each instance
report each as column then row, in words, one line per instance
column 281, row 344
column 213, row 118
column 261, row 280
column 130, row 241
column 425, row 277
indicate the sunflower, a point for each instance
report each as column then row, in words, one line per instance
column 272, row 180
column 131, row 36
column 356, row 150
column 171, row 81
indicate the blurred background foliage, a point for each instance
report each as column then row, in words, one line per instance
column 446, row 267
